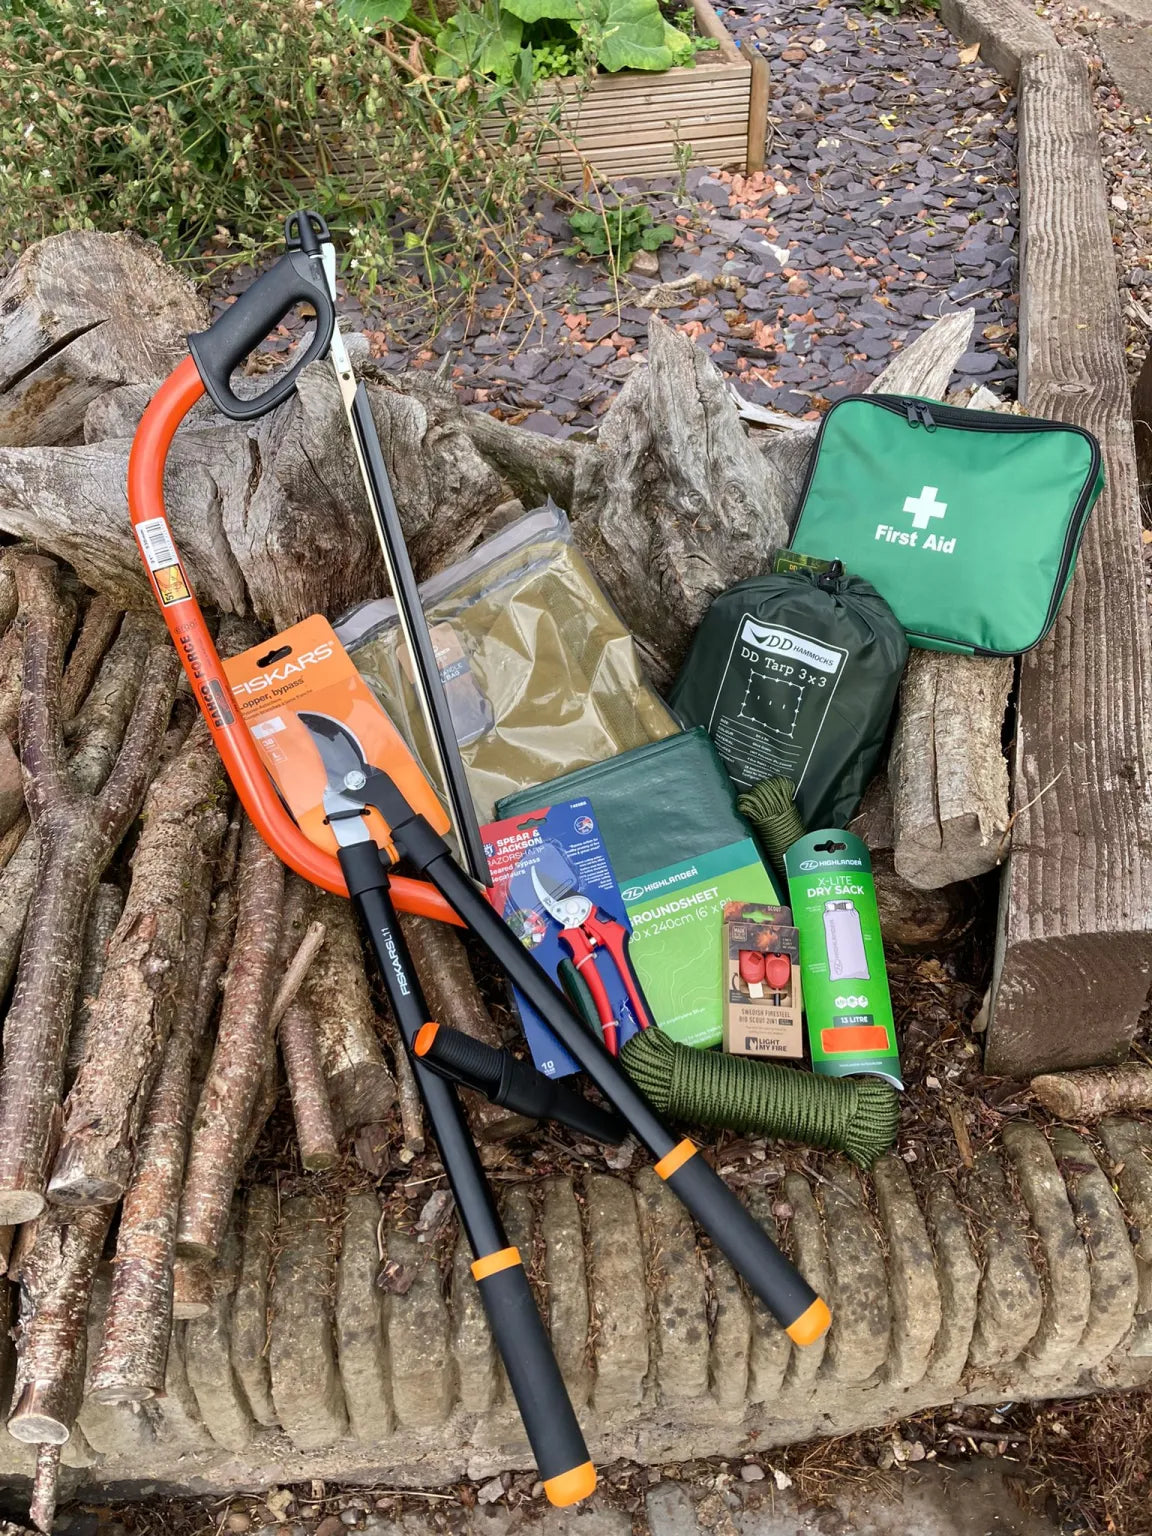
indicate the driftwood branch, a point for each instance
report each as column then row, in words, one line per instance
column 145, row 977
column 78, row 833
column 57, row 1267
column 42, row 1504
column 98, row 732
column 130, row 1366
column 97, row 632
column 360, row 1086
column 947, row 768
column 303, row 1066
column 103, row 916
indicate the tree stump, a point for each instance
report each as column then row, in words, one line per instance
column 81, row 313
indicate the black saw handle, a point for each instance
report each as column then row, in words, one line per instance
column 297, row 278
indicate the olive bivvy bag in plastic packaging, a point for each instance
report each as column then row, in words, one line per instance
column 795, row 675
column 966, row 522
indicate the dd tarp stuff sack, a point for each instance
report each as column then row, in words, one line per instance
column 795, row 675
column 966, row 522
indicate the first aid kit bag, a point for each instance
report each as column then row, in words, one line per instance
column 966, row 522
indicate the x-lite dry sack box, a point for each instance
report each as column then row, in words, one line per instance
column 966, row 522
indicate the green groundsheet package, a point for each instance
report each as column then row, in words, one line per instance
column 966, row 522
column 679, row 850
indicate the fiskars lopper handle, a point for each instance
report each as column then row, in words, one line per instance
column 522, row 1343
column 802, row 1314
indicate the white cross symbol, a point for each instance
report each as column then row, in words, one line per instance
column 925, row 507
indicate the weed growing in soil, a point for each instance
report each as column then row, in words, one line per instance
column 200, row 122
column 616, row 233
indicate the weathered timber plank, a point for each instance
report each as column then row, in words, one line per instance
column 1008, row 31
column 1142, row 418
column 1074, row 945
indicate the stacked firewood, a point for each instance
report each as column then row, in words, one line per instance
column 169, row 976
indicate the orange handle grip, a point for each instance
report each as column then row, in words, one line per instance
column 167, row 409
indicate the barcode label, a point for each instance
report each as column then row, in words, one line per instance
column 156, row 542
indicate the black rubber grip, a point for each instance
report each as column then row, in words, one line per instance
column 534, row 1376
column 749, row 1249
column 476, row 1062
column 517, row 1085
column 297, row 278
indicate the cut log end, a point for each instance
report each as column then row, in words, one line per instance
column 36, row 1419
column 197, row 1253
column 19, row 1205
column 72, row 1184
column 124, row 1392
column 192, row 1286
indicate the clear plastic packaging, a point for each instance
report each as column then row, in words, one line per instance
column 541, row 674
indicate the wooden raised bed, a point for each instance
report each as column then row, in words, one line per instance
column 628, row 124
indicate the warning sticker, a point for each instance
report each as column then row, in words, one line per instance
column 162, row 560
column 773, row 701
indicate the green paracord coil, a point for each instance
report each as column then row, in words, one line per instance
column 856, row 1116
column 771, row 808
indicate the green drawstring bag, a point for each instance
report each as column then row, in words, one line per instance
column 966, row 522
column 795, row 675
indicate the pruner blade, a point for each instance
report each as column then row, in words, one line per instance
column 346, row 769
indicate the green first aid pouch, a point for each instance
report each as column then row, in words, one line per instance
column 966, row 522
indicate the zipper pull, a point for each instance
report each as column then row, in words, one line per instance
column 927, row 418
column 911, row 407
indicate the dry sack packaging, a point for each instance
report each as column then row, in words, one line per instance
column 796, row 674
column 541, row 675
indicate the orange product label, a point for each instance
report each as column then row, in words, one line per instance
column 305, row 668
column 855, row 1037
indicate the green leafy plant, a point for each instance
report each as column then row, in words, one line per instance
column 897, row 7
column 562, row 37
column 616, row 233
column 195, row 123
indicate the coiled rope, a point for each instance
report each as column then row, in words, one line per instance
column 856, row 1116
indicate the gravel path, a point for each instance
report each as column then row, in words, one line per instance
column 889, row 199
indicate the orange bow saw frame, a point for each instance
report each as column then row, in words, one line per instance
column 193, row 641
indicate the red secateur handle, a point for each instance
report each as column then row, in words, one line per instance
column 614, row 937
column 583, row 943
column 583, row 952
column 167, row 409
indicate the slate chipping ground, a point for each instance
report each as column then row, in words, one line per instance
column 888, row 199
